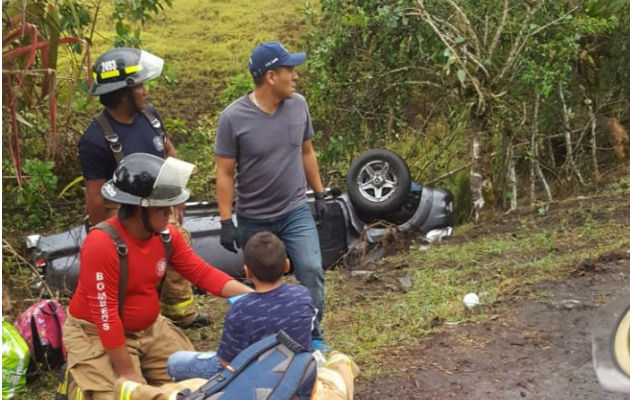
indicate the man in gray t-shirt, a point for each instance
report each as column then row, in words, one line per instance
column 265, row 136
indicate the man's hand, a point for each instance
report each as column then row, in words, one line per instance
column 229, row 236
column 320, row 206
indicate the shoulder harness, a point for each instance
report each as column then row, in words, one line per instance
column 121, row 248
column 112, row 139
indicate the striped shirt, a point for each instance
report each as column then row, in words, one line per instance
column 257, row 315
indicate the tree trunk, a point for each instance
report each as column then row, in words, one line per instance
column 593, row 140
column 570, row 162
column 513, row 183
column 534, row 166
column 533, row 148
column 476, row 179
column 541, row 176
column 482, row 191
column 552, row 157
column 506, row 148
column 532, row 170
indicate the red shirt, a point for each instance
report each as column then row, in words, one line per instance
column 96, row 297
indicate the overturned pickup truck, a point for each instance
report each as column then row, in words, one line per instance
column 379, row 188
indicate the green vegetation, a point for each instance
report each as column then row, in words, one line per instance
column 205, row 56
column 369, row 317
column 452, row 77
column 35, row 193
column 378, row 75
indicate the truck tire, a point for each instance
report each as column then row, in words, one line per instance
column 378, row 182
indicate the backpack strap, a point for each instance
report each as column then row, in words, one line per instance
column 121, row 248
column 165, row 235
column 110, row 137
column 156, row 124
column 302, row 367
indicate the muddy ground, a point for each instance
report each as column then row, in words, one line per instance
column 536, row 347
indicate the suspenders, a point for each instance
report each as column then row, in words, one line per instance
column 112, row 139
column 113, row 142
column 121, row 248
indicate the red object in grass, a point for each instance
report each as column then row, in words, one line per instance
column 49, row 84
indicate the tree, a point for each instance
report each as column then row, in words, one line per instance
column 366, row 62
column 40, row 93
column 505, row 68
column 488, row 44
column 31, row 49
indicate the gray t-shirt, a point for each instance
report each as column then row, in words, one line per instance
column 268, row 151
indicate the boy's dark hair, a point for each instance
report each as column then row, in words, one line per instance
column 112, row 99
column 265, row 256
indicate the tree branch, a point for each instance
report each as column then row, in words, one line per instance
column 450, row 32
column 516, row 50
column 449, row 173
column 497, row 33
column 469, row 29
column 476, row 62
column 7, row 248
column 516, row 46
column 429, row 20
column 554, row 22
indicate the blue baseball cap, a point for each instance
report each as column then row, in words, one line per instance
column 271, row 55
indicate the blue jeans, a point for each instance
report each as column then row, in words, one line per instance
column 193, row 364
column 298, row 232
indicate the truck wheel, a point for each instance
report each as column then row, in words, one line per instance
column 378, row 182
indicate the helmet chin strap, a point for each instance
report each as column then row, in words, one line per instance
column 144, row 215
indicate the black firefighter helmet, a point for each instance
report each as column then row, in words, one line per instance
column 146, row 180
column 123, row 67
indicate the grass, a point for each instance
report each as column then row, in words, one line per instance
column 223, row 33
column 205, row 43
column 367, row 320
column 363, row 318
column 496, row 265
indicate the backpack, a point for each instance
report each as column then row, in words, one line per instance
column 40, row 326
column 273, row 368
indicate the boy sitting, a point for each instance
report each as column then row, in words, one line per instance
column 273, row 306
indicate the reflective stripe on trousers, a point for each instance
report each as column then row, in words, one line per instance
column 177, row 310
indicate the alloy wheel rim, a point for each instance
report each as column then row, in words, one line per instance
column 376, row 181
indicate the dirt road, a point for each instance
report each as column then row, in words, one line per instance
column 536, row 346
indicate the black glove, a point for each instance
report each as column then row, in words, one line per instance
column 320, row 206
column 229, row 236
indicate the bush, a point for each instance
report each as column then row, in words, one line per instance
column 199, row 150
column 238, row 86
column 33, row 199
